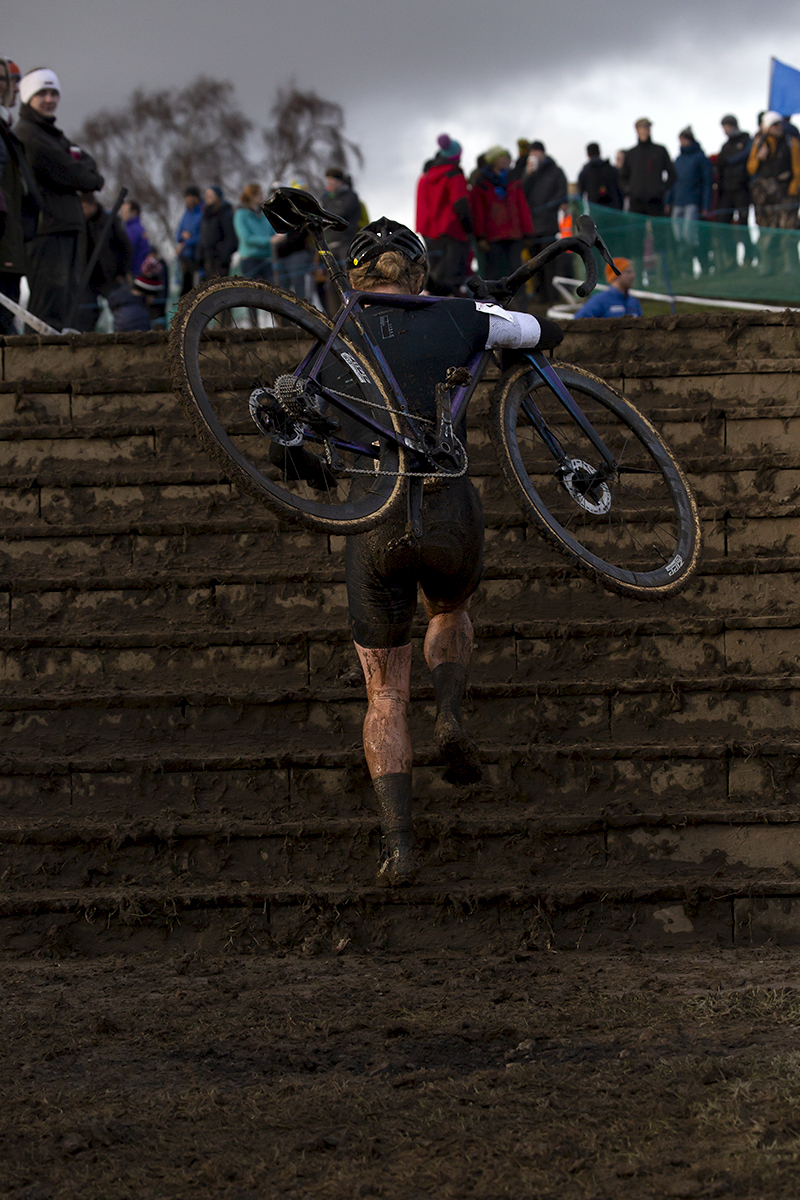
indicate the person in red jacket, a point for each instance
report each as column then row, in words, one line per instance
column 443, row 219
column 501, row 217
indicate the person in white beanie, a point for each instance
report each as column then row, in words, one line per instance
column 57, row 252
column 18, row 198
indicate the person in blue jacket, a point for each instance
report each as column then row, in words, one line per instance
column 187, row 236
column 689, row 198
column 616, row 301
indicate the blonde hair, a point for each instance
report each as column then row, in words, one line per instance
column 391, row 267
column 249, row 193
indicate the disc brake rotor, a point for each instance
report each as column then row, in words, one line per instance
column 579, row 480
column 272, row 420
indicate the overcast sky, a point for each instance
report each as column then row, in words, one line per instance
column 408, row 70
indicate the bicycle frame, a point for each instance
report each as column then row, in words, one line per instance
column 460, row 395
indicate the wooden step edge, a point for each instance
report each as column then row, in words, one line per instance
column 299, row 757
column 549, row 897
column 463, row 827
column 269, row 634
column 194, row 696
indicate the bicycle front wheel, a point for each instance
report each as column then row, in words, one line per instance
column 250, row 365
column 635, row 528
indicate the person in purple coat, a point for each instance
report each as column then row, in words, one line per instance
column 131, row 215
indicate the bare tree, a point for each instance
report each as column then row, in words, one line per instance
column 306, row 137
column 160, row 142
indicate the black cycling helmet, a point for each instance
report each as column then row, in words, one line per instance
column 379, row 236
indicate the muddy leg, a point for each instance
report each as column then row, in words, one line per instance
column 448, row 649
column 387, row 747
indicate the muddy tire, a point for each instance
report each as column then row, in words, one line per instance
column 230, row 341
column 636, row 531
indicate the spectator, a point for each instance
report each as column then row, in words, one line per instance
column 500, row 215
column 339, row 198
column 217, row 242
column 152, row 280
column 254, row 233
column 443, row 218
column 113, row 263
column 18, row 198
column 647, row 173
column 689, row 198
column 546, row 190
column 615, row 301
column 132, row 307
column 774, row 168
column 773, row 165
column 598, row 181
column 523, row 150
column 57, row 253
column 186, row 238
column 733, row 182
column 131, row 214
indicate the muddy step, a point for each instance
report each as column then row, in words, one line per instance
column 466, row 848
column 520, row 595
column 503, row 918
column 611, row 780
column 542, row 652
column 181, row 725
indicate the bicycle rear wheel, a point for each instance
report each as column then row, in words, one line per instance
column 636, row 529
column 241, row 353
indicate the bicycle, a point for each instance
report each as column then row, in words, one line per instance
column 303, row 412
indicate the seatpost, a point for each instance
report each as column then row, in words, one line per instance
column 337, row 275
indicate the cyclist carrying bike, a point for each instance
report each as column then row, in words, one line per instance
column 385, row 566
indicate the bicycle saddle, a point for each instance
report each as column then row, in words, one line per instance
column 288, row 208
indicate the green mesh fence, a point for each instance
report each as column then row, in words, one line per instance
column 708, row 258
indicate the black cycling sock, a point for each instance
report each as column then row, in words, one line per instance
column 460, row 754
column 399, row 864
column 449, row 681
column 394, row 801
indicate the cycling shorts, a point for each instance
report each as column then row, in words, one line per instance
column 384, row 566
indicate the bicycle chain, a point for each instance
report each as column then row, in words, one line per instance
column 401, row 474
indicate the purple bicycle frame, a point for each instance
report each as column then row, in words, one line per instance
column 461, row 394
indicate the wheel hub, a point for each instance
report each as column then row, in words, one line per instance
column 271, row 419
column 581, row 482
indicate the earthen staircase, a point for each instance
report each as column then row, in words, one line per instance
column 181, row 710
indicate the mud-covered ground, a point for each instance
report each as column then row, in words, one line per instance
column 533, row 1075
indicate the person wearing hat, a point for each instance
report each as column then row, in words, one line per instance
column 339, row 198
column 443, row 218
column 774, row 169
column 501, row 218
column 645, row 177
column 732, row 179
column 19, row 205
column 689, row 199
column 56, row 253
column 647, row 173
column 773, row 165
column 546, row 191
column 615, row 301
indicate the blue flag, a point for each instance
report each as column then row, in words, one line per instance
column 784, row 89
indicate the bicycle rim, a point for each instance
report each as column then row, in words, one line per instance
column 637, row 530
column 233, row 344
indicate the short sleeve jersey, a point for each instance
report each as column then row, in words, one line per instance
column 420, row 344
